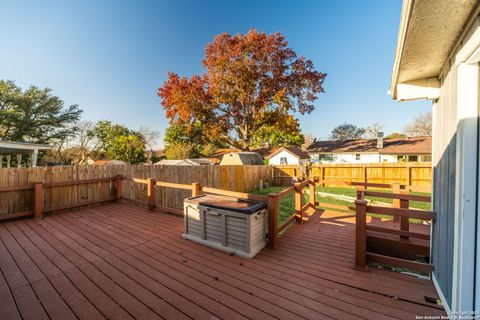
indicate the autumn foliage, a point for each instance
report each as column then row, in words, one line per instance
column 250, row 81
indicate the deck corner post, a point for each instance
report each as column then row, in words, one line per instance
column 312, row 190
column 196, row 189
column 272, row 220
column 404, row 221
column 298, row 202
column 151, row 194
column 361, row 234
column 38, row 200
column 118, row 188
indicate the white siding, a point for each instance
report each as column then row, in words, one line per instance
column 291, row 159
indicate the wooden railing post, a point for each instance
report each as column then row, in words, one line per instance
column 404, row 221
column 118, row 188
column 38, row 200
column 196, row 189
column 298, row 202
column 396, row 202
column 360, row 233
column 272, row 220
column 151, row 194
column 312, row 190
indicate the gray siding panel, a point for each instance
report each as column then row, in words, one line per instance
column 445, row 118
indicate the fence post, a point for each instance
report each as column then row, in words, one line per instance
column 404, row 221
column 365, row 178
column 360, row 232
column 298, row 202
column 38, row 200
column 118, row 188
column 272, row 220
column 196, row 189
column 151, row 194
column 322, row 175
column 312, row 190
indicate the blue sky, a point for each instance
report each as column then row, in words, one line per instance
column 110, row 57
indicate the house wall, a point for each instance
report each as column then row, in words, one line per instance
column 348, row 158
column 444, row 175
column 291, row 159
column 364, row 158
column 455, row 175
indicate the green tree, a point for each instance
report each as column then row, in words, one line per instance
column 34, row 115
column 271, row 134
column 180, row 150
column 396, row 135
column 115, row 141
column 189, row 137
column 346, row 131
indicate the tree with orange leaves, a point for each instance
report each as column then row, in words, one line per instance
column 247, row 78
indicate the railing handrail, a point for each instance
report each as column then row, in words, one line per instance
column 399, row 196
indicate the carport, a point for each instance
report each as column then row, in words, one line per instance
column 19, row 149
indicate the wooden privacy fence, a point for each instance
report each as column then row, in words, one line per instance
column 71, row 186
column 417, row 174
column 400, row 247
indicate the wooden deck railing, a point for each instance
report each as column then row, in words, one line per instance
column 400, row 212
column 39, row 189
column 298, row 215
column 116, row 192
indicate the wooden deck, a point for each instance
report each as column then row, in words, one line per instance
column 121, row 262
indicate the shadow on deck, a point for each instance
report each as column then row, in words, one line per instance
column 120, row 262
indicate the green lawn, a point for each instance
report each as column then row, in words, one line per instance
column 286, row 205
column 352, row 193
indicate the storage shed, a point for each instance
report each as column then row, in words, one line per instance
column 241, row 159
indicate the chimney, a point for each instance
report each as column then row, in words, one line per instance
column 380, row 140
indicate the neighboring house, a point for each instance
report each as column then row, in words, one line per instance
column 288, row 156
column 437, row 58
column 217, row 156
column 19, row 150
column 415, row 149
column 186, row 162
column 242, row 158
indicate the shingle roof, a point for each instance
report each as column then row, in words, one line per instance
column 219, row 153
column 413, row 145
column 299, row 153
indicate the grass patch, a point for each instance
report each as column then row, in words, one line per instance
column 352, row 193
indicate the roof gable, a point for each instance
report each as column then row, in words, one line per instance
column 295, row 151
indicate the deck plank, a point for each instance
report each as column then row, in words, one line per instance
column 119, row 261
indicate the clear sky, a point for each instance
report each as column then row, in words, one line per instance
column 110, row 57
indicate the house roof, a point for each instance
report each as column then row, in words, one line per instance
column 295, row 151
column 110, row 162
column 242, row 158
column 413, row 145
column 219, row 153
column 185, row 162
column 429, row 30
column 10, row 147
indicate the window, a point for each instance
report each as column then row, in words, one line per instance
column 357, row 157
column 412, row 158
column 427, row 158
column 325, row 157
column 401, row 159
column 283, row 161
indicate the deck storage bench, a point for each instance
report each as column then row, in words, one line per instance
column 229, row 224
